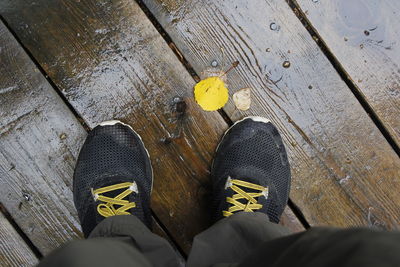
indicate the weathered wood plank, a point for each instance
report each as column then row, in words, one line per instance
column 110, row 62
column 344, row 171
column 13, row 250
column 39, row 141
column 365, row 37
column 38, row 135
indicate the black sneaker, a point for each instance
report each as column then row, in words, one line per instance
column 250, row 170
column 113, row 176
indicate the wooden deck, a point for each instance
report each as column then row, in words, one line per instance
column 65, row 66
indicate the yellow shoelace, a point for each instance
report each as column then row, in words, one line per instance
column 107, row 208
column 251, row 204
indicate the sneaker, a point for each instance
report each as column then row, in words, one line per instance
column 113, row 176
column 250, row 171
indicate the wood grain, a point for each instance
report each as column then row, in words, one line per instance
column 110, row 62
column 344, row 171
column 365, row 37
column 39, row 141
column 13, row 250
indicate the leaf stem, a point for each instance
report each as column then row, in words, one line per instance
column 234, row 65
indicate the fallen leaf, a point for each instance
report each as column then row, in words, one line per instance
column 242, row 99
column 211, row 93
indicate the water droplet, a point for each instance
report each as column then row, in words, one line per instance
column 177, row 99
column 310, row 87
column 361, row 46
column 345, row 39
column 315, row 1
column 286, row 64
column 366, row 33
column 273, row 73
column 166, row 140
column 268, row 49
column 273, row 26
column 214, row 63
column 26, row 196
column 345, row 179
column 63, row 136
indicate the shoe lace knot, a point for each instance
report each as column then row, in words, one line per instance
column 239, row 186
column 109, row 206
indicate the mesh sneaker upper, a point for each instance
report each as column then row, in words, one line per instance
column 252, row 151
column 111, row 154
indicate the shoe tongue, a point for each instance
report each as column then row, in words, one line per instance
column 249, row 174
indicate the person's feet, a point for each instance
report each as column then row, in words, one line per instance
column 113, row 176
column 250, row 170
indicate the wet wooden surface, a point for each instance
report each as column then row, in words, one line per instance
column 344, row 171
column 39, row 142
column 110, row 62
column 13, row 249
column 364, row 37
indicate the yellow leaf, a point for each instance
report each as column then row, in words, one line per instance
column 211, row 93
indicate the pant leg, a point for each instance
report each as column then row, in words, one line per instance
column 116, row 241
column 231, row 239
column 329, row 247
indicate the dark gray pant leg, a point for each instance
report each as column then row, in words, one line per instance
column 232, row 239
column 330, row 247
column 249, row 239
column 116, row 241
